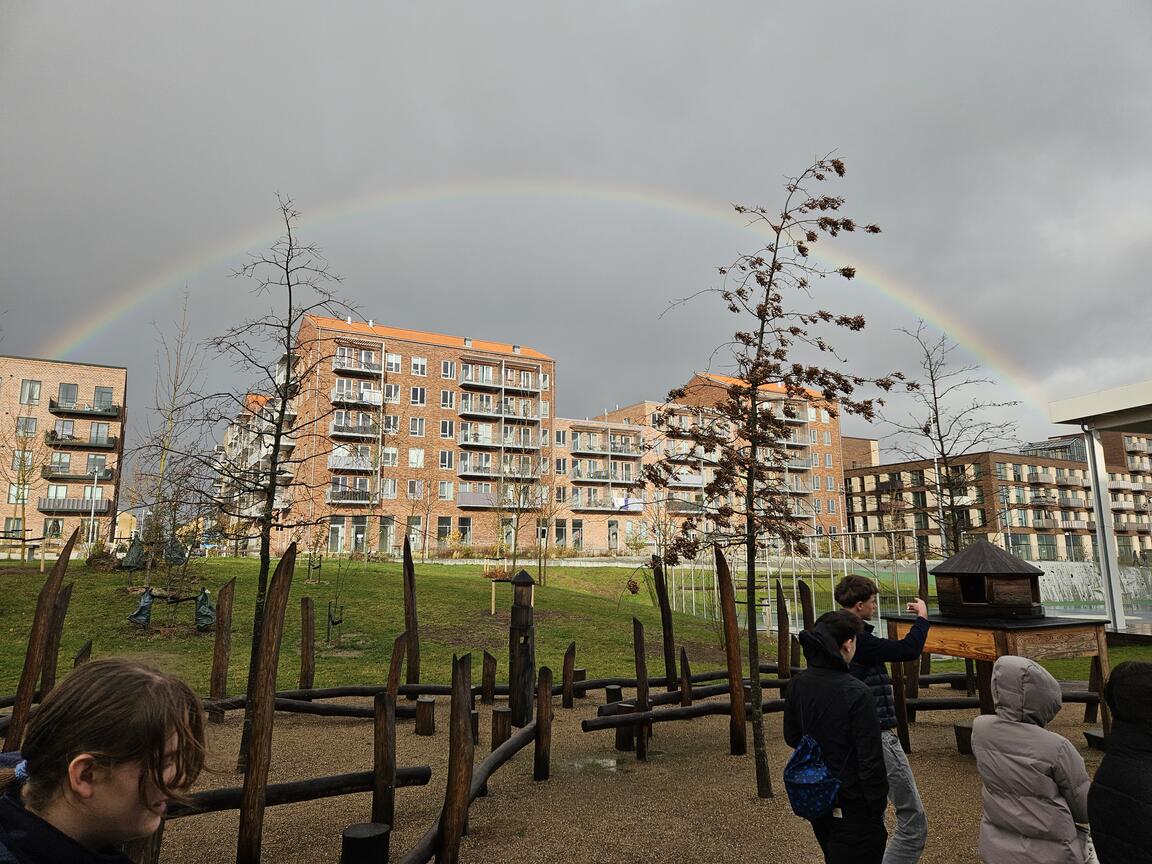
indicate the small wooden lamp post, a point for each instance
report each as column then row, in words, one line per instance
column 521, row 650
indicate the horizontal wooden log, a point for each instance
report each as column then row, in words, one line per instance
column 213, row 800
column 943, row 678
column 666, row 715
column 299, row 706
column 610, row 709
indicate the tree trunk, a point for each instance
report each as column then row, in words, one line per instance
column 760, row 754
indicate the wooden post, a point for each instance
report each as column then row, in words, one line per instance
column 640, row 730
column 665, row 622
column 261, row 709
column 984, row 686
column 1103, row 669
column 807, row 608
column 83, row 655
column 797, row 652
column 569, row 675
column 399, row 649
column 542, row 757
column 900, row 699
column 685, row 679
column 221, row 648
column 460, row 755
column 737, row 733
column 411, row 625
column 425, row 716
column 37, row 642
column 474, row 716
column 501, row 725
column 307, row 643
column 521, row 650
column 384, row 759
column 922, row 591
column 488, row 682
column 1090, row 708
column 365, row 843
column 52, row 649
column 783, row 643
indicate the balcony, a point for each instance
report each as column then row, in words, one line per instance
column 583, row 475
column 343, row 462
column 1078, row 525
column 796, row 442
column 527, row 413
column 1122, row 486
column 83, row 506
column 471, row 439
column 362, row 430
column 1138, row 465
column 356, row 366
column 348, row 496
column 677, row 506
column 1074, row 503
column 524, row 472
column 80, row 409
column 480, row 381
column 1144, row 527
column 478, row 407
column 626, row 449
column 889, row 485
column 1044, row 524
column 1044, row 501
column 108, row 442
column 1135, row 445
column 802, row 465
column 1123, row 505
column 1069, row 480
column 530, row 384
column 1041, row 477
column 67, row 475
column 523, row 443
column 584, row 444
column 490, row 500
column 467, row 469
column 694, row 481
column 609, row 505
column 1125, row 527
column 374, row 398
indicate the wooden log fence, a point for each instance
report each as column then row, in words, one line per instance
column 488, row 680
column 665, row 715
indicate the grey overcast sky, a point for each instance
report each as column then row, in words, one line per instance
column 554, row 174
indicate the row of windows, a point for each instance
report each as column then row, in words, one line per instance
column 419, row 366
column 66, row 429
column 14, row 528
column 67, row 395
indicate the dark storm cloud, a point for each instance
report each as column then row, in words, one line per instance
column 1002, row 147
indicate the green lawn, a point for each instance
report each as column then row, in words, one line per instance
column 590, row 606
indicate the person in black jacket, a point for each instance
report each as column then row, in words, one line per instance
column 826, row 702
column 858, row 595
column 1120, row 798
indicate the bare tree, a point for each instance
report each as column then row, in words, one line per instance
column 949, row 418
column 549, row 508
column 520, row 497
column 740, row 422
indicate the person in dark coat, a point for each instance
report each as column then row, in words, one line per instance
column 827, row 703
column 1120, row 798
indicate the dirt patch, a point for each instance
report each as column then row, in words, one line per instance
column 690, row 801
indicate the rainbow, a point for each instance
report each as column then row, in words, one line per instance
column 68, row 340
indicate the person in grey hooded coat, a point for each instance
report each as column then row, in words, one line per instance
column 1035, row 784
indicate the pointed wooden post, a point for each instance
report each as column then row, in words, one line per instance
column 807, row 608
column 685, row 679
column 384, row 759
column 641, row 729
column 399, row 648
column 37, row 642
column 221, row 648
column 569, row 676
column 783, row 642
column 926, row 657
column 411, row 625
column 665, row 622
column 307, row 644
column 460, row 754
column 521, row 650
column 488, row 682
column 264, row 694
column 52, row 649
column 83, row 655
column 737, row 733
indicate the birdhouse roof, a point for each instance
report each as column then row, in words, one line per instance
column 523, row 578
column 983, row 557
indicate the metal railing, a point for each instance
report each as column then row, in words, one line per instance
column 73, row 505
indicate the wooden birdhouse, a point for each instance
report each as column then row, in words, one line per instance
column 984, row 581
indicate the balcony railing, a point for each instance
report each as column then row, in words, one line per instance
column 1121, row 486
column 1125, row 526
column 1044, row 524
column 474, row 440
column 527, row 412
column 1134, row 445
column 1140, row 465
column 348, row 496
column 84, row 409
column 514, row 382
column 610, row 505
column 1044, row 501
column 526, row 443
column 73, row 505
column 490, row 499
column 481, row 407
column 599, row 475
column 466, row 469
column 358, row 397
column 473, row 379
column 355, row 364
column 686, row 480
column 1074, row 503
column 1041, row 477
column 362, row 430
column 107, row 442
column 1123, row 505
column 59, row 472
column 799, row 465
column 1078, row 525
column 342, row 462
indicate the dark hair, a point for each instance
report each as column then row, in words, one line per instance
column 853, row 589
column 841, row 625
column 119, row 711
column 1129, row 692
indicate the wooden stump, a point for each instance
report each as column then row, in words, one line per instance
column 807, row 608
column 626, row 735
column 797, row 653
column 399, row 652
column 613, row 693
column 365, row 843
column 579, row 674
column 501, row 725
column 461, row 753
column 666, row 636
column 783, row 643
column 411, row 625
column 425, row 715
column 568, row 698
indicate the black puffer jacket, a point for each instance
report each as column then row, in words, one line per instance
column 868, row 665
column 1120, row 799
column 826, row 702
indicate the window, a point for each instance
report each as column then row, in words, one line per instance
column 561, row 532
column 561, row 436
column 391, row 423
column 14, row 527
column 391, row 362
column 53, row 528
column 64, row 428
column 446, row 458
column 102, row 397
column 415, row 457
column 544, row 409
column 811, row 414
column 448, row 369
column 416, row 426
column 815, row 505
column 561, row 494
column 418, row 396
column 824, row 416
column 61, row 462
column 389, row 457
column 57, row 491
column 447, row 398
column 464, row 528
column 420, row 366
column 813, row 436
column 29, row 392
column 98, row 433
column 827, row 460
column 444, row 490
column 66, row 395
column 415, row 489
column 93, row 492
column 447, row 428
column 18, row 493
column 831, row 505
column 561, row 466
column 388, row 487
column 545, row 381
column 816, row 482
column 392, row 394
column 827, row 438
column 831, row 478
column 25, row 427
column 97, row 462
column 21, row 460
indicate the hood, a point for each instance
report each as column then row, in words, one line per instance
column 1024, row 691
column 820, row 648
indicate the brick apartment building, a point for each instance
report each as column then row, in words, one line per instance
column 62, row 443
column 1034, row 503
column 455, row 441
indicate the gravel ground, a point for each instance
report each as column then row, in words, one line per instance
column 690, row 801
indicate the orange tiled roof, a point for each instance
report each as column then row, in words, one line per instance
column 728, row 381
column 382, row 332
column 252, row 401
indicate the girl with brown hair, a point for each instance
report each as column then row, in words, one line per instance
column 103, row 755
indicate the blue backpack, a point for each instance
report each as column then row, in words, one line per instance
column 811, row 788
